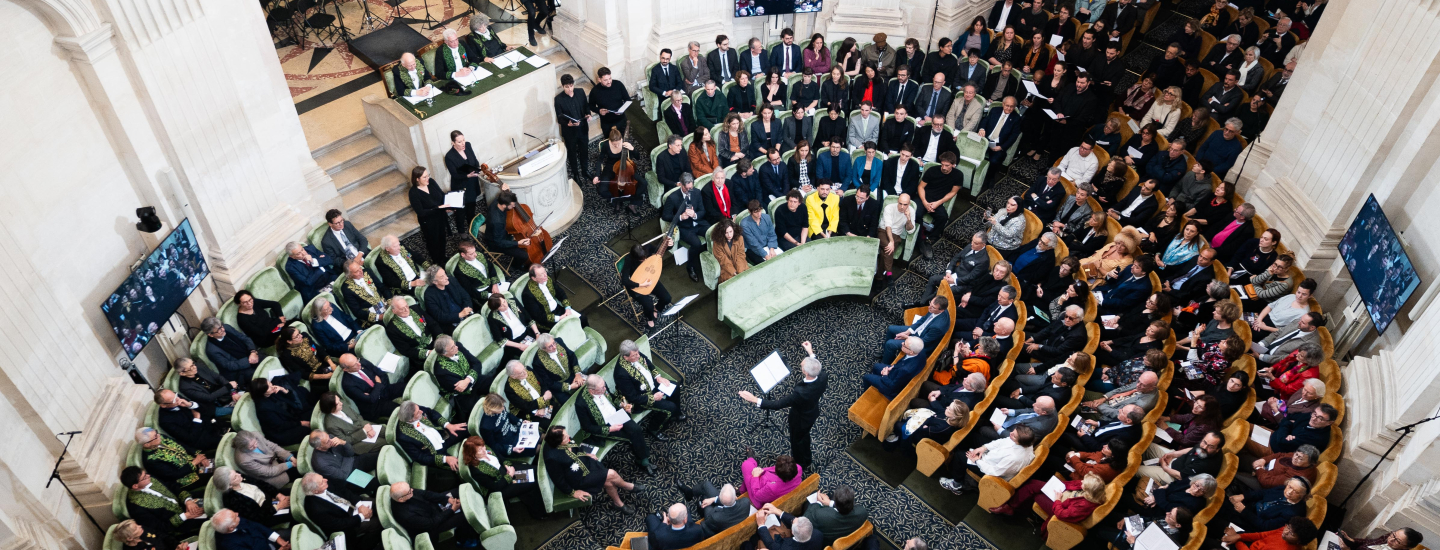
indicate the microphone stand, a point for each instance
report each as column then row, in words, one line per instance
column 55, row 476
column 1404, row 431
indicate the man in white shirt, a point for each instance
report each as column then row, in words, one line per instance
column 1080, row 164
column 545, row 302
column 398, row 271
column 896, row 221
column 411, row 79
column 1001, row 458
column 334, row 514
column 361, row 294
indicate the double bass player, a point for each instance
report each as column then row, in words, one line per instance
column 497, row 236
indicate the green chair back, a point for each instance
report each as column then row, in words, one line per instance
column 118, row 504
column 317, row 234
column 473, row 332
column 423, row 390
column 373, row 345
column 225, row 451
column 302, row 455
column 244, row 415
column 517, row 288
column 392, row 466
column 112, row 542
column 384, row 512
column 207, row 533
column 197, row 351
column 297, row 511
column 271, row 284
column 229, row 313
column 302, row 538
column 389, row 78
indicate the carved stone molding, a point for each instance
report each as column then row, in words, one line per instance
column 91, row 47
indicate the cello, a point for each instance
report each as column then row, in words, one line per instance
column 520, row 224
column 624, row 183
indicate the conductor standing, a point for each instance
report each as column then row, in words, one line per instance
column 804, row 404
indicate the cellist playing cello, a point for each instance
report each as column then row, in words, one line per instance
column 499, row 238
column 613, row 184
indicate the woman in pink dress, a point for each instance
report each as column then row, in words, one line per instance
column 764, row 485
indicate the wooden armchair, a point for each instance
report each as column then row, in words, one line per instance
column 931, row 455
column 1063, row 535
column 853, row 539
column 876, row 414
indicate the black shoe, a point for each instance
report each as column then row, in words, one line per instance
column 687, row 492
column 649, row 468
column 639, row 488
column 683, row 417
column 926, row 250
column 540, row 29
column 532, row 41
column 749, row 452
column 694, row 276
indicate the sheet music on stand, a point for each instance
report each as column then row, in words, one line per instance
column 550, row 254
column 680, row 305
column 770, row 372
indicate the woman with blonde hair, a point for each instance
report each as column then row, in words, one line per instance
column 917, row 424
column 1165, row 111
column 1075, row 503
column 500, row 429
column 1110, row 257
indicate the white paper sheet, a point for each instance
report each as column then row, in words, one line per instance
column 1237, row 530
column 502, row 62
column 515, row 56
column 617, row 417
column 529, row 435
column 998, row 417
column 622, row 108
column 770, row 372
column 1135, row 153
column 434, row 92
column 1164, row 435
column 1260, row 435
column 681, row 304
column 378, row 431
column 536, row 61
column 668, row 388
column 467, row 80
column 1152, row 462
column 504, row 287
column 455, row 199
column 389, row 362
column 682, row 255
column 1032, row 89
column 1053, row 488
column 1330, row 541
column 1133, row 128
column 1056, row 39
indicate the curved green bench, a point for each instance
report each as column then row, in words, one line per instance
column 766, row 293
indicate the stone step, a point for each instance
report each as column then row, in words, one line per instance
column 398, row 226
column 358, row 196
column 327, row 148
column 363, row 172
column 377, row 212
column 350, row 154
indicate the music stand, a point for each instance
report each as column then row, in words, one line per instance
column 370, row 20
column 767, row 374
column 345, row 35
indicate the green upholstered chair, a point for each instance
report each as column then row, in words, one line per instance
column 112, row 542
column 389, row 78
column 391, row 315
column 316, row 235
column 770, row 291
column 302, row 538
column 207, row 530
column 152, row 416
column 271, row 284
column 171, row 381
column 211, row 504
column 229, row 313
column 493, row 535
column 591, row 351
column 517, row 288
column 473, row 332
column 225, row 451
column 652, row 182
column 297, row 511
column 244, row 417
column 280, row 260
column 134, row 456
column 391, row 466
column 197, row 350
column 373, row 345
column 423, row 390
column 909, row 249
column 384, row 514
column 709, row 266
column 119, row 507
column 302, row 455
column 430, row 357
column 648, row 99
column 974, row 160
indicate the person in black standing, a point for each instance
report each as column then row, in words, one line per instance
column 804, row 404
column 538, row 13
column 607, row 96
column 573, row 115
column 464, row 171
column 428, row 201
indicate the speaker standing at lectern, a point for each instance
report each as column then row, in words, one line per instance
column 804, row 404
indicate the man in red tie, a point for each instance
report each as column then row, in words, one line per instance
column 719, row 203
column 368, row 387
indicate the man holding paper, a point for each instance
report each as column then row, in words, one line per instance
column 803, row 402
column 368, row 387
column 337, row 460
column 643, row 385
column 608, row 417
column 1204, row 458
column 410, row 78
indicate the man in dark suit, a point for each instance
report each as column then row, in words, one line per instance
column 556, row 368
column 1053, row 344
column 832, row 162
column 941, row 61
column 892, row 181
column 859, row 214
column 944, row 142
column 1186, row 282
column 972, row 328
column 720, row 200
column 1273, row 88
column 453, row 57
column 1107, row 71
column 1127, row 290
column 1126, row 427
column 965, row 268
column 720, row 508
column 673, row 529
column 901, row 92
column 685, row 208
column 1045, row 196
column 796, row 128
column 672, row 163
column 203, row 386
column 1137, row 207
column 774, row 178
column 1001, row 126
column 232, row 352
column 410, row 77
column 1304, row 429
column 1120, row 16
column 368, row 387
column 184, row 422
column 233, row 532
column 308, row 269
column 334, row 514
column 836, row 515
column 158, row 509
column 281, row 406
column 1224, row 97
column 934, row 101
column 1036, row 260
column 679, row 117
column 898, row 131
column 1028, row 383
column 408, row 331
column 930, row 328
column 457, row 373
column 475, row 273
column 803, row 402
column 1224, row 57
column 722, row 60
column 497, row 239
column 665, row 77
column 889, row 378
column 334, row 330
column 755, row 59
column 803, row 536
column 786, row 54
column 1077, row 107
column 1040, row 419
column 335, row 459
column 484, row 44
column 342, row 240
column 1277, row 42
column 420, row 512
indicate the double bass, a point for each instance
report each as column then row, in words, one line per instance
column 520, row 224
column 624, row 183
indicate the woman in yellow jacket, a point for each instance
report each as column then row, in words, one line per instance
column 824, row 207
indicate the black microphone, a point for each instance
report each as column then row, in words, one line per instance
column 536, row 138
column 76, row 432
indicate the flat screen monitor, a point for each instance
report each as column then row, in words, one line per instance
column 749, row 8
column 1378, row 264
column 155, row 289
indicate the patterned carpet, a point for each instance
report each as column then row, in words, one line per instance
column 711, row 445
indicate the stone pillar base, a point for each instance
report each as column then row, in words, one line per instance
column 863, row 22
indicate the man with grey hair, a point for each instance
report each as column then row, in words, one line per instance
column 187, row 422
column 1055, row 343
column 673, row 162
column 599, row 414
column 1304, row 401
column 310, row 271
column 693, row 68
column 448, row 304
column 685, row 208
column 803, row 402
column 890, row 379
column 368, row 387
column 233, row 532
column 429, row 512
column 175, row 465
column 1303, row 336
column 398, row 271
column 335, row 459
column 453, row 58
column 1036, row 260
column 802, row 532
column 1045, row 196
column 721, row 508
column 527, row 396
column 426, row 439
column 484, row 44
column 556, row 367
column 1222, row 148
column 1144, row 393
column 334, row 330
column 673, row 529
column 1127, row 427
column 970, row 329
column 407, row 330
column 230, row 350
column 1224, row 57
column 457, row 372
column 642, row 384
column 969, row 390
column 335, row 514
column 965, row 268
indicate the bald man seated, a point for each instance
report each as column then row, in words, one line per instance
column 721, row 509
column 673, row 529
column 420, row 511
column 410, row 77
